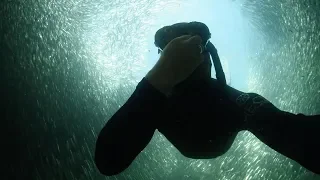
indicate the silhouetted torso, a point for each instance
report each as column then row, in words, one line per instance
column 200, row 120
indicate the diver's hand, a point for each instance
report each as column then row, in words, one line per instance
column 177, row 62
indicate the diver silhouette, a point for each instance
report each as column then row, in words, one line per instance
column 199, row 115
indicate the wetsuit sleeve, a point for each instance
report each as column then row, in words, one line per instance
column 129, row 130
column 295, row 136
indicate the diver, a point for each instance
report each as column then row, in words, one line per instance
column 198, row 114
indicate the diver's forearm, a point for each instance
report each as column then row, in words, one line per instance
column 159, row 81
column 129, row 130
column 295, row 136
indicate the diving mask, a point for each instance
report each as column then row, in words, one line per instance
column 166, row 34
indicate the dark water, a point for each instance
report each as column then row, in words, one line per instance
column 61, row 80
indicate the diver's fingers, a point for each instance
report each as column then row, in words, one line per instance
column 195, row 43
column 183, row 38
column 194, row 40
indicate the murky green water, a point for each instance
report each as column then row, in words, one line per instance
column 67, row 66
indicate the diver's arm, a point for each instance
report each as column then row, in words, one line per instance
column 217, row 63
column 129, row 130
column 295, row 136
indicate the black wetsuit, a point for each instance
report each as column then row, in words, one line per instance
column 202, row 122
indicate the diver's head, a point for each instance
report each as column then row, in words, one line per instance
column 166, row 34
